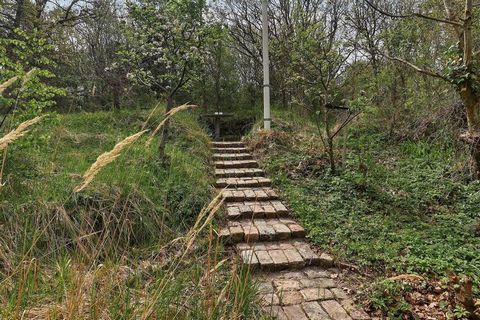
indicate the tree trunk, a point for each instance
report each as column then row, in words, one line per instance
column 331, row 154
column 329, row 138
column 476, row 157
column 470, row 98
column 165, row 131
column 284, row 98
column 19, row 12
column 116, row 95
column 472, row 108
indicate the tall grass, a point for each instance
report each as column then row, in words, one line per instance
column 136, row 244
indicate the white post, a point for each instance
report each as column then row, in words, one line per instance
column 266, row 71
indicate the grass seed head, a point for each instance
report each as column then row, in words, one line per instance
column 168, row 115
column 4, row 86
column 18, row 132
column 106, row 158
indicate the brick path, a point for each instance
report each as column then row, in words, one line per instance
column 295, row 282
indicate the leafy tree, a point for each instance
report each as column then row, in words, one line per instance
column 30, row 54
column 320, row 58
column 218, row 83
column 101, row 38
column 165, row 49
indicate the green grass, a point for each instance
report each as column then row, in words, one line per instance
column 395, row 207
column 112, row 249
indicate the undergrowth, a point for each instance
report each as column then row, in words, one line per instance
column 393, row 207
column 138, row 242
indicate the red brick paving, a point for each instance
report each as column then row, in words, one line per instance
column 294, row 282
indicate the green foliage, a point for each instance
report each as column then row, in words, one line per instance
column 41, row 170
column 393, row 207
column 165, row 43
column 459, row 313
column 18, row 56
column 388, row 297
column 217, row 86
column 113, row 241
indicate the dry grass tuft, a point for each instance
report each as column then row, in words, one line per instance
column 18, row 132
column 150, row 115
column 204, row 219
column 168, row 115
column 105, row 159
column 4, row 86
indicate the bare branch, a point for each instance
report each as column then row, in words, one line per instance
column 350, row 118
column 413, row 15
column 415, row 67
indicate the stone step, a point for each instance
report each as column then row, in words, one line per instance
column 228, row 144
column 243, row 182
column 230, row 150
column 236, row 164
column 260, row 230
column 256, row 209
column 239, row 173
column 249, row 194
column 280, row 255
column 231, row 156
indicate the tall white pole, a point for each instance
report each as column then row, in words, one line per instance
column 266, row 69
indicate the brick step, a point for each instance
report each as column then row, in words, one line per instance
column 260, row 230
column 248, row 182
column 256, row 209
column 228, row 144
column 230, row 150
column 239, row 173
column 249, row 194
column 280, row 255
column 310, row 293
column 231, row 156
column 239, row 164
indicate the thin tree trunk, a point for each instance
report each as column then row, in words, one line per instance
column 19, row 14
column 476, row 157
column 331, row 154
column 472, row 106
column 116, row 95
column 329, row 139
column 165, row 131
column 284, row 98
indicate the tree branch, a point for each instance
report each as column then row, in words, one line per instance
column 415, row 67
column 350, row 118
column 413, row 15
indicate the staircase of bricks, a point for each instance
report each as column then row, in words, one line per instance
column 295, row 282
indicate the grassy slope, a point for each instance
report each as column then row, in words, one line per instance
column 106, row 251
column 65, row 146
column 396, row 207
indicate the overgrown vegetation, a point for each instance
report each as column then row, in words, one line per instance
column 376, row 146
column 113, row 249
column 391, row 209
